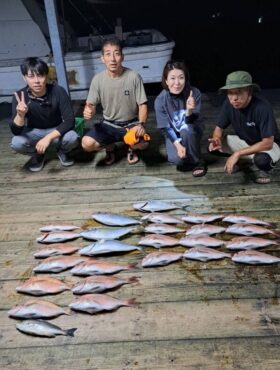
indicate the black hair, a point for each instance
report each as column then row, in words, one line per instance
column 174, row 64
column 112, row 41
column 34, row 65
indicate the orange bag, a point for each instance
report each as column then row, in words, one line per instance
column 131, row 139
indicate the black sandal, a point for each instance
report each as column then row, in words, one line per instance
column 201, row 169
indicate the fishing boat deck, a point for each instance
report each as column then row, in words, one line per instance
column 190, row 315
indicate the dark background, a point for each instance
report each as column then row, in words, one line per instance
column 213, row 37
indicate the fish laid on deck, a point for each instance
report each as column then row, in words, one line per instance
column 58, row 227
column 254, row 257
column 201, row 241
column 107, row 246
column 114, row 219
column 242, row 219
column 204, row 254
column 38, row 286
column 97, row 267
column 36, row 309
column 43, row 328
column 249, row 242
column 58, row 264
column 155, row 206
column 94, row 303
column 248, row 229
column 158, row 241
column 99, row 284
column 205, row 229
column 160, row 258
column 162, row 229
column 98, row 233
column 56, row 250
column 198, row 218
column 57, row 237
column 161, row 218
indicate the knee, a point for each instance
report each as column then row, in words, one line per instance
column 70, row 140
column 89, row 144
column 263, row 161
column 18, row 143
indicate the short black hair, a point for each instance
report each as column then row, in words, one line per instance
column 174, row 64
column 34, row 65
column 112, row 41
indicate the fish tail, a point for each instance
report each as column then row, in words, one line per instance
column 70, row 332
column 133, row 279
column 132, row 265
column 131, row 302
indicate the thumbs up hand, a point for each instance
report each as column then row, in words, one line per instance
column 190, row 102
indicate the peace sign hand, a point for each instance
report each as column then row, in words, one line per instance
column 21, row 107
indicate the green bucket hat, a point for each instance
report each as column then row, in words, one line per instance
column 238, row 79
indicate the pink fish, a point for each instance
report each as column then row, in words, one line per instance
column 254, row 257
column 58, row 227
column 249, row 242
column 198, row 218
column 201, row 241
column 35, row 309
column 98, row 284
column 160, row 258
column 56, row 250
column 58, row 264
column 158, row 241
column 94, row 303
column 57, row 237
column 38, row 285
column 162, row 229
column 161, row 218
column 248, row 230
column 97, row 267
column 205, row 229
column 204, row 254
column 242, row 219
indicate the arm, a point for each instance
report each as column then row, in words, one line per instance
column 19, row 109
column 142, row 118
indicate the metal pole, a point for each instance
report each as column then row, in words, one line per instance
column 51, row 12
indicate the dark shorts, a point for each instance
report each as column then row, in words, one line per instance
column 106, row 133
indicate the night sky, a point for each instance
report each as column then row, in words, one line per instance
column 213, row 37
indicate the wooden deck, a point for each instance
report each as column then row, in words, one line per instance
column 190, row 315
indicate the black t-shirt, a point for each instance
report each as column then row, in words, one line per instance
column 251, row 124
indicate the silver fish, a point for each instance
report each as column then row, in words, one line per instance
column 155, row 206
column 114, row 219
column 43, row 328
column 248, row 230
column 160, row 258
column 57, row 237
column 56, row 250
column 58, row 227
column 158, row 241
column 162, row 229
column 107, row 246
column 98, row 284
column 35, row 309
column 97, row 267
column 98, row 233
column 161, row 218
column 249, row 242
column 94, row 303
column 58, row 264
column 204, row 254
column 242, row 219
column 201, row 241
column 205, row 229
column 254, row 257
column 38, row 286
column 199, row 218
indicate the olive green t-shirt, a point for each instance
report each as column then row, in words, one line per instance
column 119, row 97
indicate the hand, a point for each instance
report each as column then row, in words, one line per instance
column 215, row 144
column 232, row 160
column 21, row 107
column 88, row 111
column 139, row 131
column 181, row 150
column 42, row 145
column 190, row 102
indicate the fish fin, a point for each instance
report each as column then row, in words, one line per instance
column 70, row 332
column 132, row 265
column 132, row 302
column 133, row 279
column 138, row 229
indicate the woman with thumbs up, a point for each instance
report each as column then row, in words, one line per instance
column 177, row 110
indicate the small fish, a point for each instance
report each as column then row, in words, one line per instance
column 198, row 218
column 205, row 229
column 42, row 285
column 98, row 233
column 154, row 206
column 57, row 237
column 160, row 258
column 56, row 250
column 204, row 254
column 99, row 284
column 242, row 219
column 254, row 257
column 161, row 218
column 58, row 227
column 158, row 241
column 97, row 267
column 114, row 219
column 201, row 241
column 249, row 242
column 36, row 309
column 248, row 230
column 94, row 303
column 107, row 246
column 43, row 328
column 58, row 264
column 162, row 229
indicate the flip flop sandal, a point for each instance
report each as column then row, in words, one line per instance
column 199, row 170
column 110, row 157
column 263, row 178
column 132, row 157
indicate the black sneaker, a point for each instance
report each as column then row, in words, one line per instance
column 64, row 159
column 36, row 163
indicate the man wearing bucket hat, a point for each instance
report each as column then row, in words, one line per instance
column 251, row 117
